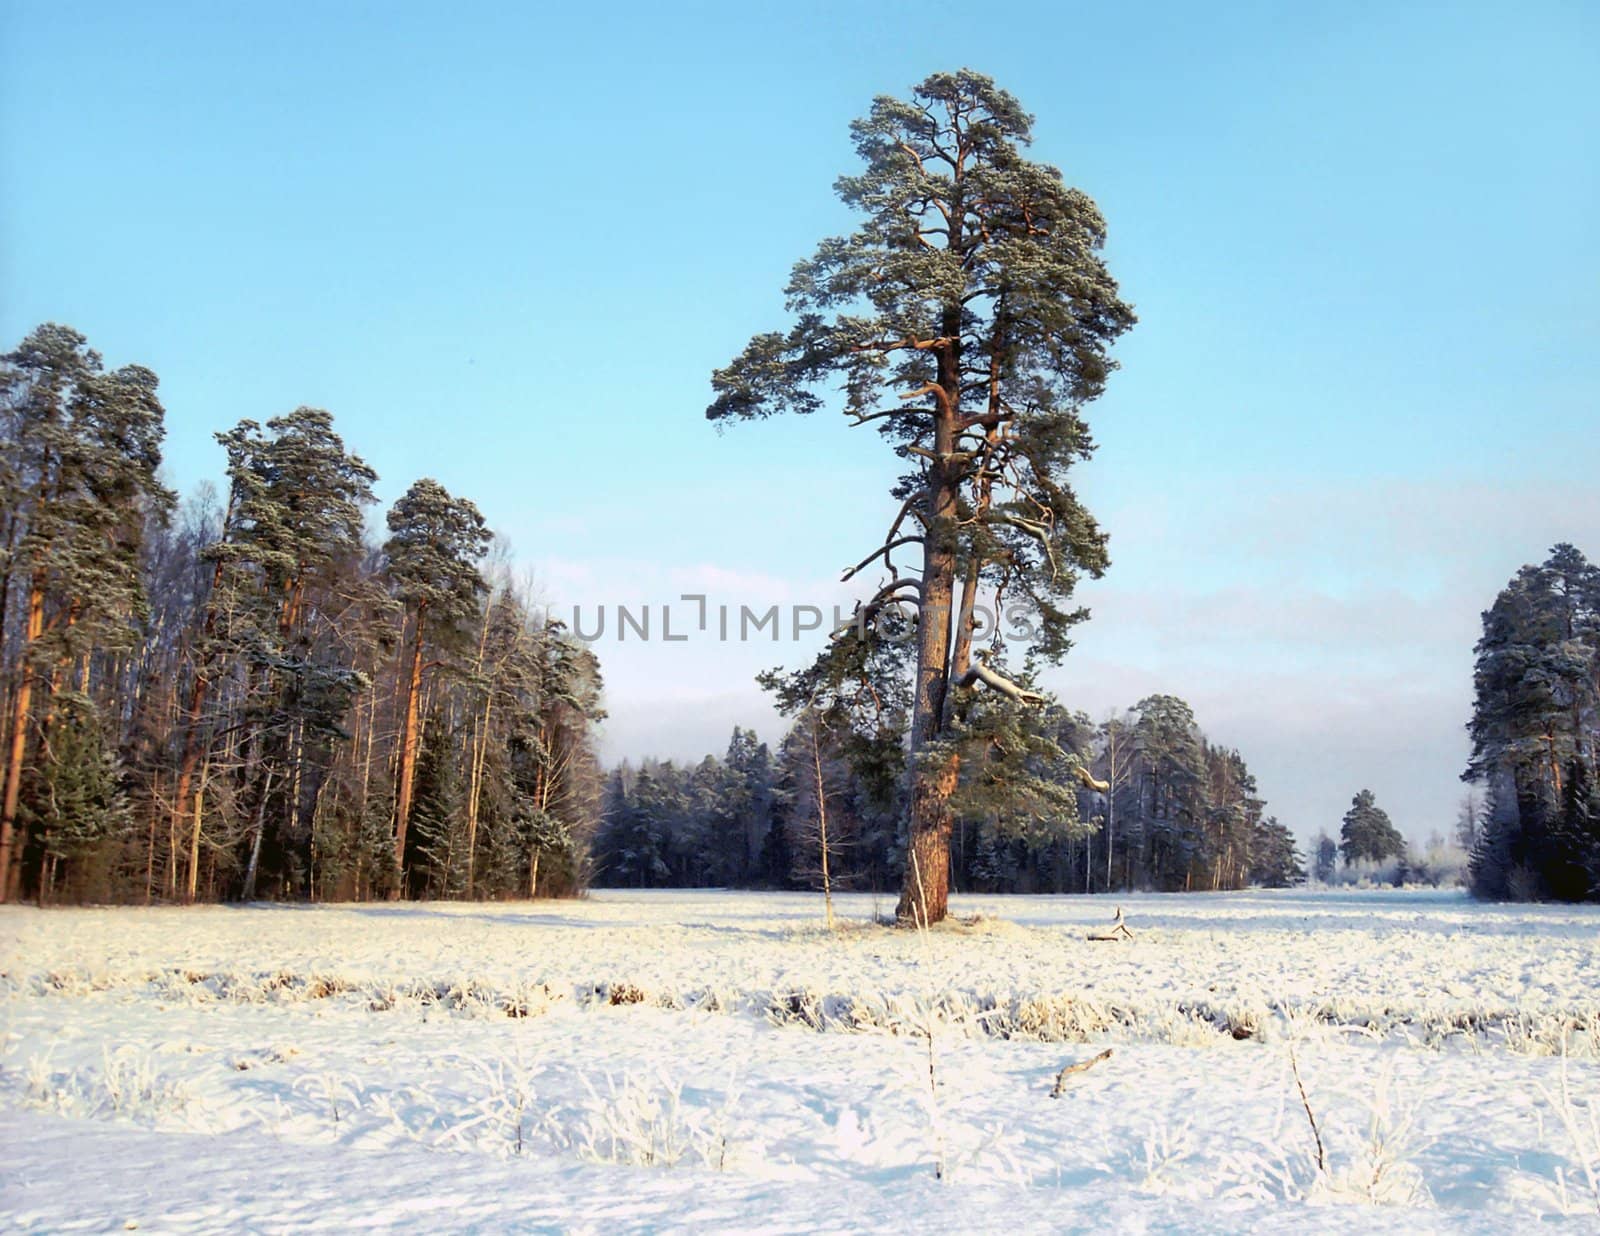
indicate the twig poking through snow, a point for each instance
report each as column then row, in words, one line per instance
column 1316, row 1133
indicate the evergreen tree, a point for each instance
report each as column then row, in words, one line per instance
column 1367, row 835
column 640, row 835
column 1535, row 727
column 77, row 808
column 1275, row 856
column 433, row 866
column 1326, row 858
column 969, row 318
column 1231, row 821
column 190, row 709
column 1025, row 817
column 744, row 810
column 1466, row 831
column 1572, row 868
column 1019, row 781
column 435, row 544
column 290, row 537
column 1171, row 777
column 558, row 768
column 78, row 476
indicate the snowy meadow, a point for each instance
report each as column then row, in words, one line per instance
column 1304, row 1061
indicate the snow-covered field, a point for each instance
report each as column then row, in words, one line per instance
column 718, row 1060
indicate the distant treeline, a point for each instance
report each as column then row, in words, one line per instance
column 244, row 696
column 1177, row 812
column 1535, row 732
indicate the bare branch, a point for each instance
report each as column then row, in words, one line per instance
column 900, row 345
column 861, row 418
column 1119, row 930
column 866, row 613
column 1305, row 1102
column 923, row 452
column 1079, row 1067
column 979, row 671
column 1088, row 779
column 889, row 589
column 1037, row 529
column 881, row 552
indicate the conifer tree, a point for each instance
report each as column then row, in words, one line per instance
column 969, row 319
column 1367, row 834
column 1170, row 775
column 1578, row 877
column 1325, row 852
column 189, row 709
column 81, row 455
column 1535, row 727
column 432, row 866
column 77, row 807
column 292, row 532
column 1274, row 856
column 435, row 544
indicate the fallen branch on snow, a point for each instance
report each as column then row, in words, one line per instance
column 1061, row 1077
column 1119, row 930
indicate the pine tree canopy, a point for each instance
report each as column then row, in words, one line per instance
column 1535, row 732
column 1367, row 834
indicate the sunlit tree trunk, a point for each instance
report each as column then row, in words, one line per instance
column 410, row 736
column 822, row 821
column 925, row 891
column 21, row 708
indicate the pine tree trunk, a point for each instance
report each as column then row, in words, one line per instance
column 408, row 755
column 191, row 747
column 822, row 821
column 480, row 744
column 194, row 843
column 197, row 699
column 925, row 890
column 150, row 861
column 358, row 847
column 10, row 851
column 926, row 897
column 1111, row 817
column 480, row 748
column 248, row 892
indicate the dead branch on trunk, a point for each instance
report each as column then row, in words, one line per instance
column 1079, row 1067
column 882, row 552
column 1088, row 779
column 978, row 671
column 867, row 614
column 1119, row 930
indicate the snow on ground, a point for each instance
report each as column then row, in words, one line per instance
column 718, row 1060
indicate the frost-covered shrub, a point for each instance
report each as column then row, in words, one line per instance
column 1369, row 873
column 1439, row 866
column 644, row 1123
column 126, row 1084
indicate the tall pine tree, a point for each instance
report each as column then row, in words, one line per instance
column 969, row 319
column 435, row 544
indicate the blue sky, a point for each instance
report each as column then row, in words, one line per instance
column 506, row 249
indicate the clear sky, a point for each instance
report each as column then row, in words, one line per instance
column 505, row 246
